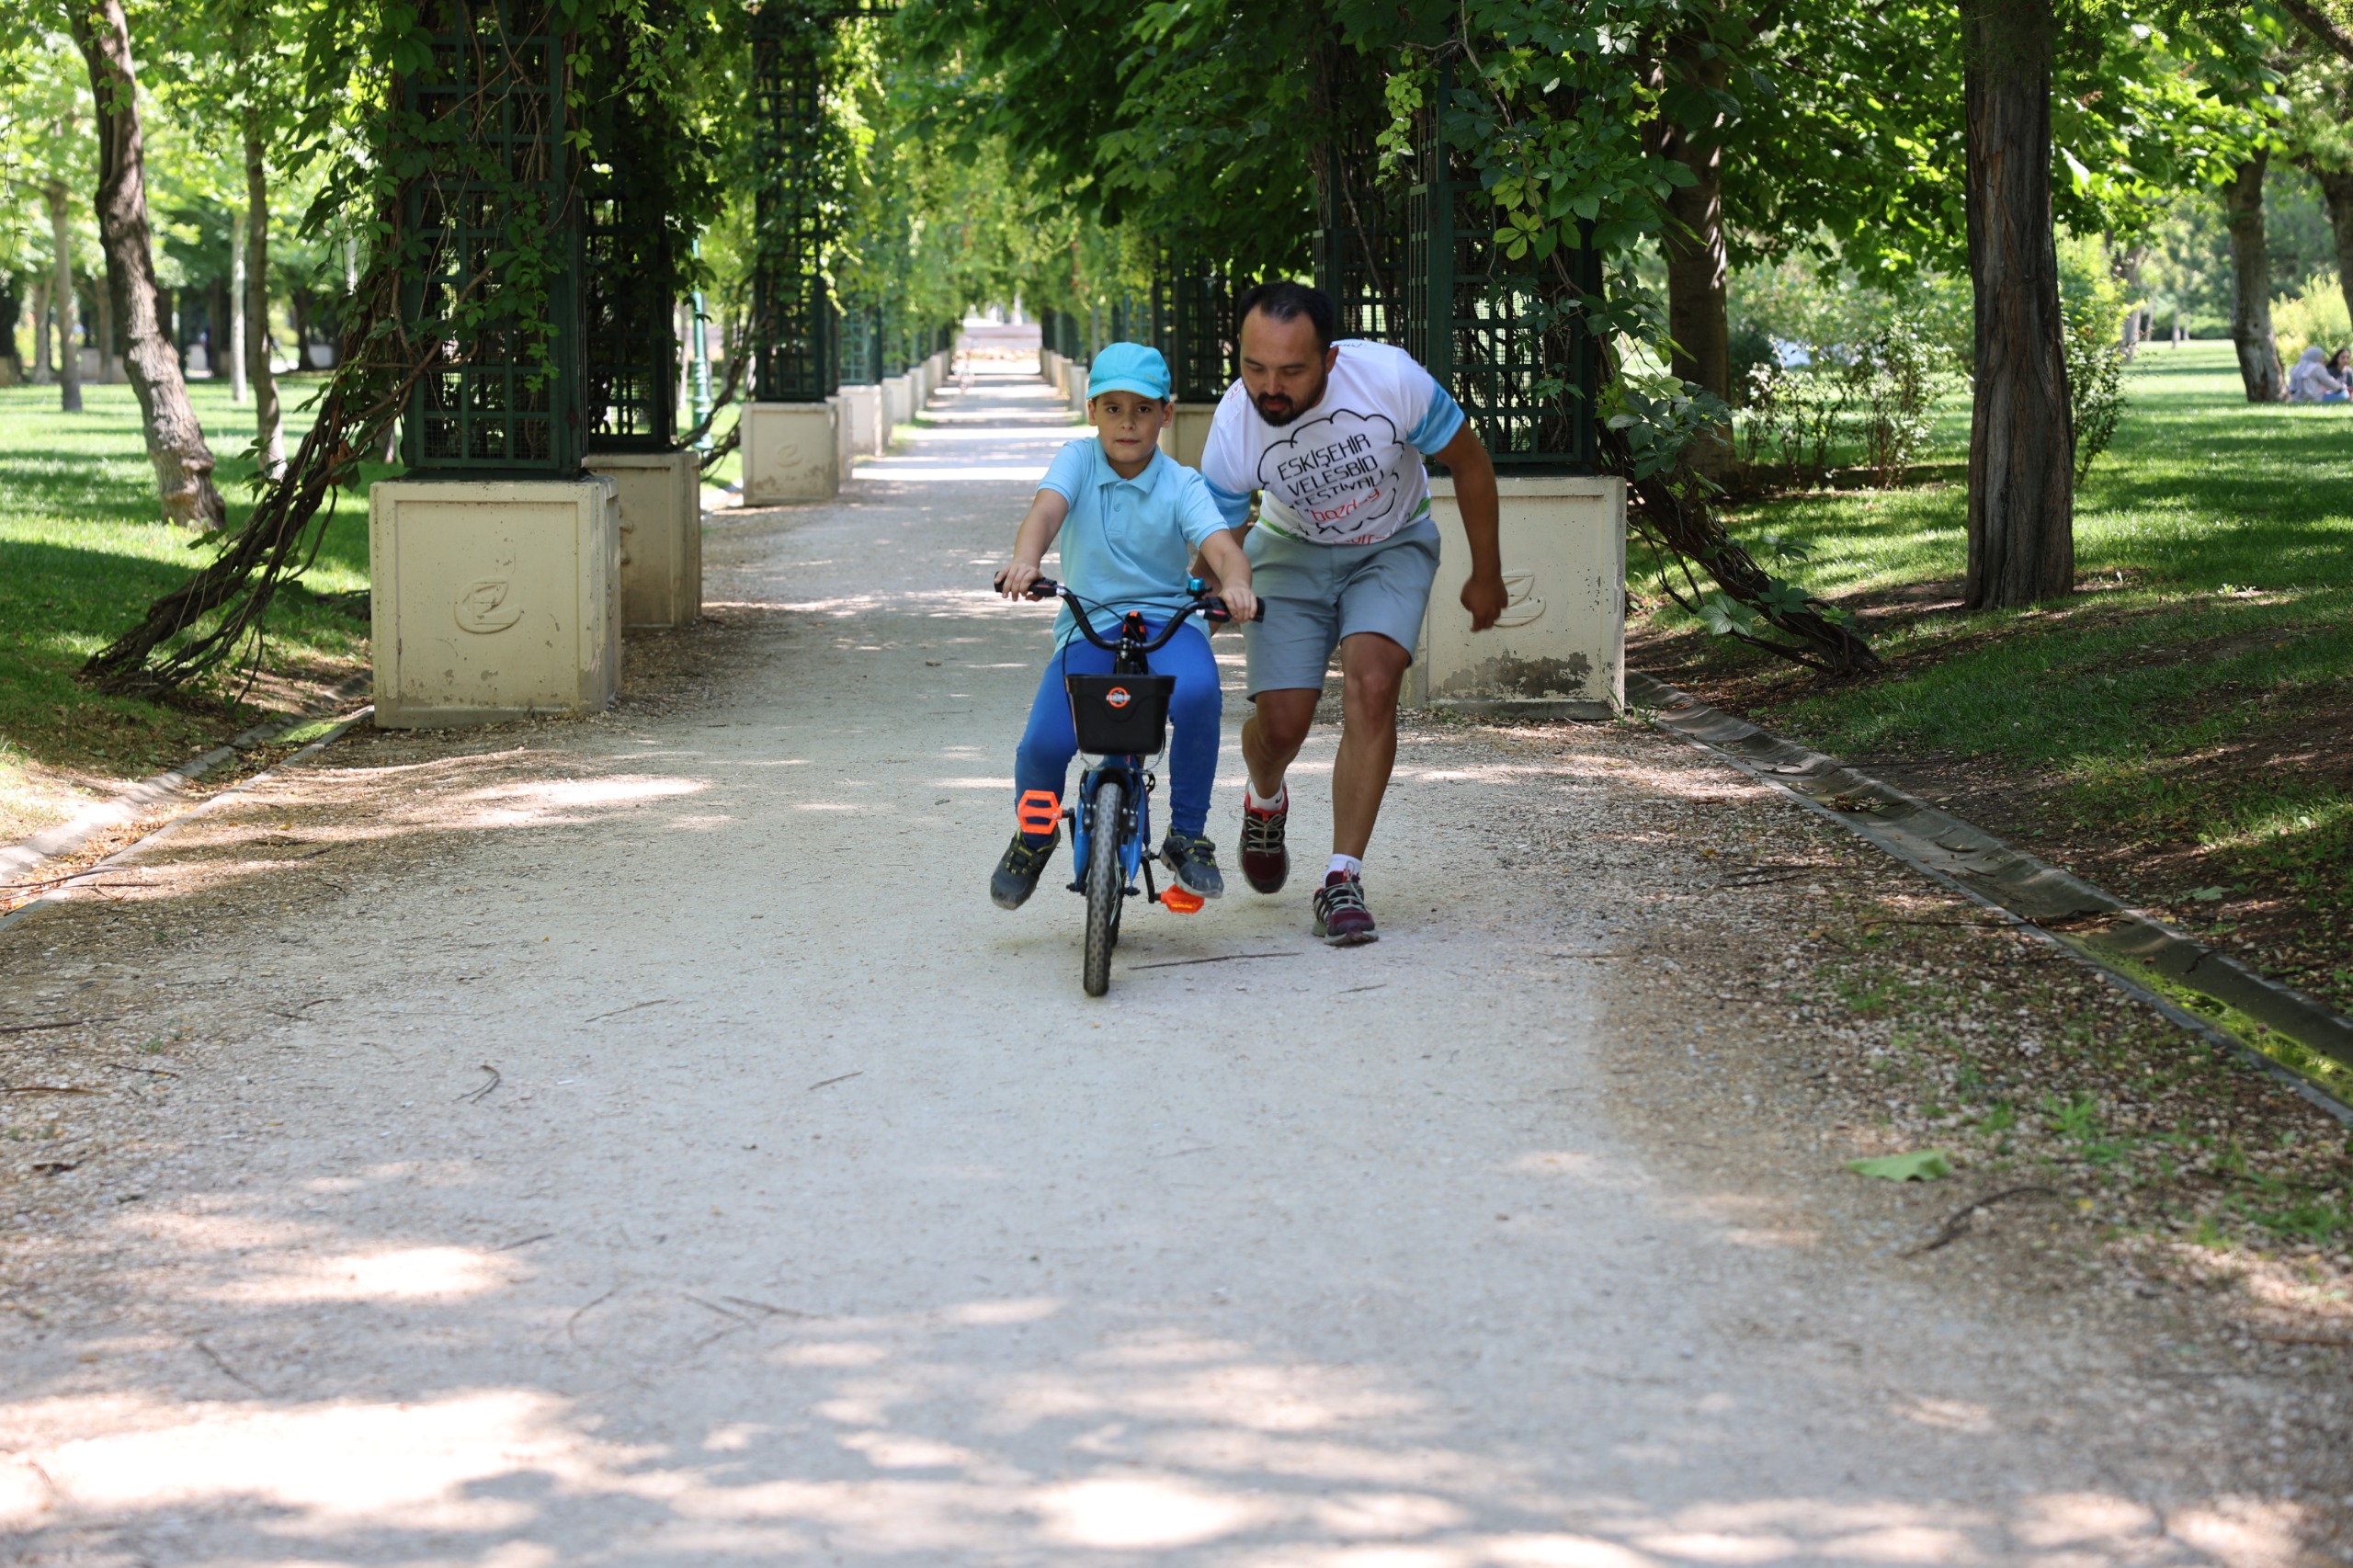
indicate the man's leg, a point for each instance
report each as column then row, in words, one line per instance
column 1373, row 670
column 1272, row 735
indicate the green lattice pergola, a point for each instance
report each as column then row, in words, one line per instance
column 796, row 358
column 861, row 346
column 629, row 351
column 1507, row 339
column 501, row 393
column 1361, row 246
column 1193, row 327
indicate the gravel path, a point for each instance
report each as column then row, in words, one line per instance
column 639, row 1140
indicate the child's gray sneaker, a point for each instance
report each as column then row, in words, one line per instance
column 1016, row 875
column 1192, row 860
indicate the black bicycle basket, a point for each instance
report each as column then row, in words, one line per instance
column 1119, row 715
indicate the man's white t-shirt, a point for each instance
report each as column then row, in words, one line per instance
column 1349, row 471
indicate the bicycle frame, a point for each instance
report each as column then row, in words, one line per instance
column 1135, row 827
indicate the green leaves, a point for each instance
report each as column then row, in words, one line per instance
column 1726, row 617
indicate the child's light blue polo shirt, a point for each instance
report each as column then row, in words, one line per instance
column 1126, row 543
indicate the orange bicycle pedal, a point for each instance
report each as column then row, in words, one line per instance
column 1182, row 901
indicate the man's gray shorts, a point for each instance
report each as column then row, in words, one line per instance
column 1317, row 594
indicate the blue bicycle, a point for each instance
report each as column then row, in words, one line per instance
column 1121, row 721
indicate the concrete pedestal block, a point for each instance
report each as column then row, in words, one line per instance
column 868, row 437
column 839, row 404
column 1078, row 393
column 898, row 404
column 493, row 599
column 1189, row 432
column 1560, row 650
column 1047, row 361
column 789, row 453
column 661, row 500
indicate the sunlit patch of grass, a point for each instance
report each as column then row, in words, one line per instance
column 83, row 552
column 2212, row 630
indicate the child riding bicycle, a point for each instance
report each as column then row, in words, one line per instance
column 1129, row 519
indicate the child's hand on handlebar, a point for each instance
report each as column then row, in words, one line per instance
column 1014, row 581
column 1240, row 602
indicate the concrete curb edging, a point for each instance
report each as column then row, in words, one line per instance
column 342, row 727
column 75, row 831
column 2286, row 1033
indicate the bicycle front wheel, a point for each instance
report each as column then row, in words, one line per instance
column 1106, row 888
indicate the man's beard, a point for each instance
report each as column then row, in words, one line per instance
column 1290, row 411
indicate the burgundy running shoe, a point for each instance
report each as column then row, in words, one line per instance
column 1341, row 917
column 1265, row 864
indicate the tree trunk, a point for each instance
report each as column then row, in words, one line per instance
column 12, row 311
column 268, row 425
column 238, row 235
column 44, row 368
column 1693, row 245
column 2251, row 283
column 109, row 362
column 2021, row 444
column 175, row 440
column 2337, row 190
column 2136, row 320
column 60, row 293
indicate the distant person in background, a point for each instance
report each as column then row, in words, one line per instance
column 2311, row 381
column 2340, row 365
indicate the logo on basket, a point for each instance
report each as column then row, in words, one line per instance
column 1118, row 696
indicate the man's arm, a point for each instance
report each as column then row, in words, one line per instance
column 1475, row 496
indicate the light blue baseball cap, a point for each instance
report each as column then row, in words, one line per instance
column 1128, row 367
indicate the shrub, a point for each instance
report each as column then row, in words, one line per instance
column 2092, row 303
column 1838, row 373
column 2313, row 315
column 2094, row 394
column 1895, row 378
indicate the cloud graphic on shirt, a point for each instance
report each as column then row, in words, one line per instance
column 1336, row 475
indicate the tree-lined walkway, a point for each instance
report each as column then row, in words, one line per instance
column 640, row 1142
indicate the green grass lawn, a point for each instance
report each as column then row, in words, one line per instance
column 82, row 552
column 2181, row 722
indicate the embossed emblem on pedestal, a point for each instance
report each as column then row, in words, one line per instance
column 483, row 607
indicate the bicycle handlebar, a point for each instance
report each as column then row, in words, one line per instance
column 1211, row 607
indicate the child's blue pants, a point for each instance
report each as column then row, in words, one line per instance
column 1042, row 763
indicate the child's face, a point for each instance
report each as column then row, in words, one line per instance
column 1129, row 426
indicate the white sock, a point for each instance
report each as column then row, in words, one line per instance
column 1347, row 863
column 1259, row 802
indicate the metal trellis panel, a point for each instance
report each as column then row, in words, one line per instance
column 1506, row 338
column 492, row 277
column 796, row 208
column 792, row 221
column 1193, row 328
column 1360, row 248
column 629, row 350
column 861, row 346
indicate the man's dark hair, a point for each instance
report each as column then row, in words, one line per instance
column 1286, row 300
